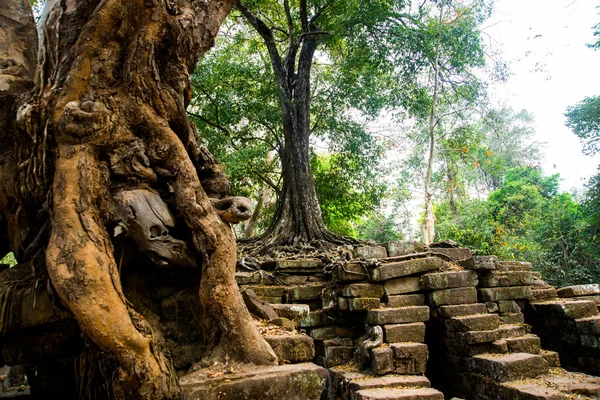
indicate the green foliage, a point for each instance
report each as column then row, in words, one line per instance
column 584, row 119
column 527, row 219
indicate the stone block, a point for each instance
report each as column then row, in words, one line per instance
column 505, row 293
column 269, row 291
column 292, row 348
column 258, row 307
column 410, row 358
column 368, row 252
column 413, row 332
column 406, row 300
column 509, row 331
column 343, row 303
column 405, row 268
column 448, row 280
column 480, row 322
column 382, row 360
column 302, row 266
column 338, row 355
column 291, row 382
column 481, row 263
column 285, row 323
column 453, row 296
column 514, row 265
column 399, row 394
column 499, row 346
column 508, row 306
column 454, row 253
column 567, row 309
column 579, row 290
column 461, row 310
column 524, row 344
column 247, row 278
column 505, row 278
column 529, row 391
column 314, row 319
column 551, row 358
column 363, row 290
column 350, row 272
column 330, row 332
column 402, row 286
column 475, row 337
column 272, row 299
column 543, row 293
column 295, row 312
column 307, row 292
column 362, row 303
column 508, row 367
column 400, row 315
column 512, row 318
column 364, row 382
column 397, row 248
column 589, row 326
column 492, row 306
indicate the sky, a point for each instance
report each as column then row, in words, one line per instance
column 543, row 42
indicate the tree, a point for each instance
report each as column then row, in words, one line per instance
column 95, row 136
column 584, row 119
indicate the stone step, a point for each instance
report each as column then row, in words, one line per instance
column 478, row 322
column 460, row 310
column 448, row 280
column 400, row 358
column 399, row 315
column 551, row 358
column 294, row 312
column 389, row 381
column 525, row 344
column 292, row 348
column 405, row 268
column 511, row 330
column 558, row 385
column 508, row 367
column 579, row 290
column 290, row 382
column 399, row 394
column 567, row 309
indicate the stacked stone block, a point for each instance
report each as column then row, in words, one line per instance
column 570, row 326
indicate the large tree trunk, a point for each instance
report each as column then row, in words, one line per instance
column 102, row 133
column 297, row 216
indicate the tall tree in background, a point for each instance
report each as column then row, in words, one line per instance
column 93, row 134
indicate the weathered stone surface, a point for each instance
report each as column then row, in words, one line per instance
column 314, row 319
column 460, row 310
column 400, row 315
column 405, row 268
column 454, row 253
column 338, row 355
column 508, row 306
column 444, row 297
column 382, row 360
column 551, row 358
column 505, row 278
column 447, row 280
column 509, row 331
column 343, row 303
column 245, row 278
column 307, row 292
column 589, row 326
column 481, row 263
column 544, row 293
column 571, row 309
column 285, row 323
column 295, row 312
column 299, row 266
column 514, row 265
column 257, row 306
column 398, row 248
column 512, row 318
column 499, row 346
column 368, row 252
column 292, row 348
column 402, row 286
column 508, row 367
column 475, row 337
column 524, row 344
column 530, row 391
column 290, row 382
column 410, row 358
column 575, row 384
column 362, row 303
column 350, row 272
column 363, row 382
column 406, row 300
column 481, row 322
column 330, row 332
column 579, row 290
column 492, row 306
column 363, row 290
column 272, row 299
column 269, row 291
column 505, row 293
column 413, row 332
column 399, row 394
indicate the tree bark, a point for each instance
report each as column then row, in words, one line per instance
column 107, row 114
column 297, row 216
